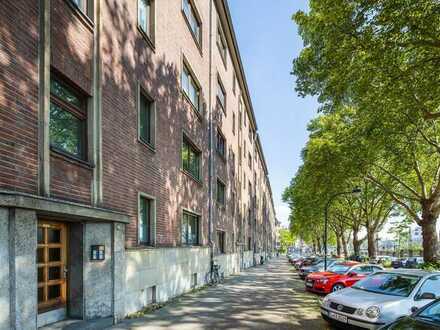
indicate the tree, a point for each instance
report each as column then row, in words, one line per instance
column 364, row 51
column 380, row 60
column 286, row 239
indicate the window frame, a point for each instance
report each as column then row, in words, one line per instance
column 223, row 91
column 141, row 93
column 222, row 44
column 85, row 9
column 151, row 242
column 79, row 112
column 197, row 151
column 220, row 152
column 217, row 190
column 221, row 242
column 194, row 215
column 191, row 78
column 149, row 36
column 198, row 19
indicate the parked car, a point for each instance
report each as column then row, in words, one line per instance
column 317, row 267
column 414, row 262
column 425, row 318
column 398, row 263
column 381, row 298
column 306, row 262
column 339, row 276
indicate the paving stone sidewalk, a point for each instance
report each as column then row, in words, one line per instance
column 264, row 297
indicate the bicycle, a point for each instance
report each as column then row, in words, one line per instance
column 214, row 277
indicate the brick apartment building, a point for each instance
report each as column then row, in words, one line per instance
column 129, row 157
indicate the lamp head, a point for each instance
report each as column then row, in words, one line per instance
column 356, row 191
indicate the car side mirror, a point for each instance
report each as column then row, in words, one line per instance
column 427, row 295
column 414, row 309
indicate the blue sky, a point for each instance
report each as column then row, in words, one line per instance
column 268, row 42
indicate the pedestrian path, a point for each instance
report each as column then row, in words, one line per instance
column 264, row 297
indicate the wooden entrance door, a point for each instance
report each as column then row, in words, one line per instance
column 51, row 265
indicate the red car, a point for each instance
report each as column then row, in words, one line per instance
column 339, row 276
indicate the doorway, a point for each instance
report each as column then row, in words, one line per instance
column 52, row 268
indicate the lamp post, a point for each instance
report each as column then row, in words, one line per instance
column 355, row 191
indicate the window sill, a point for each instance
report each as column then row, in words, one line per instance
column 147, row 145
column 81, row 15
column 192, row 177
column 193, row 107
column 69, row 158
column 198, row 43
column 147, row 39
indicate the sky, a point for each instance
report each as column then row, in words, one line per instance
column 268, row 40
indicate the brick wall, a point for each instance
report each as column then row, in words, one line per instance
column 128, row 60
column 18, row 96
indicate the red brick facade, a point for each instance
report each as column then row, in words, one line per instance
column 128, row 62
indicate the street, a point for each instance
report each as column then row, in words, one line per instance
column 263, row 297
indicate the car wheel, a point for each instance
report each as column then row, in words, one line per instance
column 337, row 287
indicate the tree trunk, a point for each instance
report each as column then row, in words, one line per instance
column 318, row 241
column 430, row 237
column 344, row 245
column 356, row 243
column 371, row 243
column 338, row 245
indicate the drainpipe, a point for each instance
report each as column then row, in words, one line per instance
column 211, row 156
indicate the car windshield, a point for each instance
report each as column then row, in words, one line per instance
column 431, row 313
column 392, row 284
column 339, row 268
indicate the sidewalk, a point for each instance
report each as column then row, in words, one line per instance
column 263, row 297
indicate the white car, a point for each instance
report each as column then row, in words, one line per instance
column 381, row 298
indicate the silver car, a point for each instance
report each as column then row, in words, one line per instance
column 381, row 298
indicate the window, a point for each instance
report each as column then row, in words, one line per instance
column 190, row 159
column 249, row 245
column 221, row 41
column 190, row 87
column 221, row 95
column 85, row 6
column 250, row 133
column 220, row 242
column 431, row 285
column 146, row 17
column 221, row 144
column 245, row 119
column 250, row 160
column 220, row 192
column 233, row 123
column 190, row 228
column 146, row 119
column 192, row 20
column 68, row 115
column 146, row 214
column 232, row 154
column 234, row 82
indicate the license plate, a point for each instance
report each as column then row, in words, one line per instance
column 309, row 284
column 340, row 318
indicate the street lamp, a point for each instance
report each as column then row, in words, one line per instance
column 355, row 191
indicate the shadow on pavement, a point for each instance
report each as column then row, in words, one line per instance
column 264, row 297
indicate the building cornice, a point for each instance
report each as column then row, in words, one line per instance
column 50, row 207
